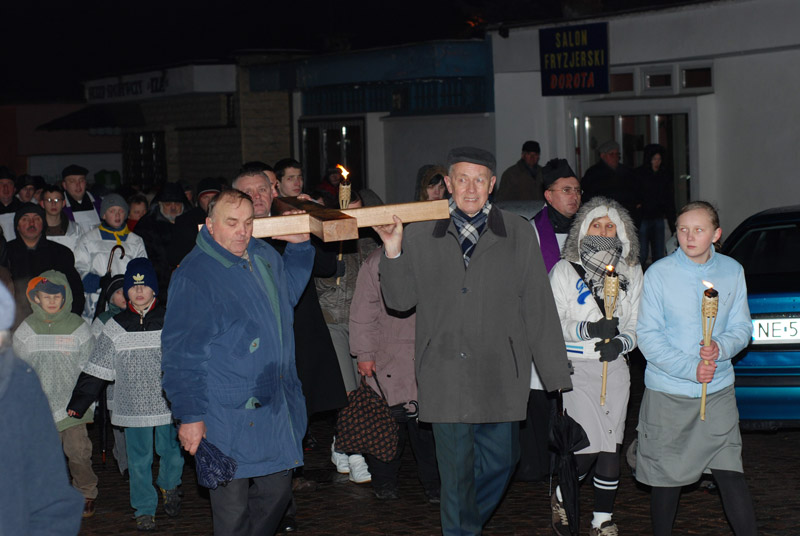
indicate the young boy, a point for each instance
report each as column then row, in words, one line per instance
column 57, row 344
column 129, row 353
column 93, row 249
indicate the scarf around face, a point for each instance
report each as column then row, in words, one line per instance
column 469, row 227
column 596, row 253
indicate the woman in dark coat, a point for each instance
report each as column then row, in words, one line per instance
column 657, row 197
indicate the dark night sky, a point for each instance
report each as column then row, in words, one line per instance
column 50, row 47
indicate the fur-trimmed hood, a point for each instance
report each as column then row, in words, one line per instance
column 597, row 208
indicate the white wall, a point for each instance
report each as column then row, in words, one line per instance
column 50, row 166
column 743, row 137
column 411, row 142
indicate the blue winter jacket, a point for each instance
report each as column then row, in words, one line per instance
column 228, row 351
column 670, row 328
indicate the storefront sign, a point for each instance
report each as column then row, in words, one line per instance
column 175, row 81
column 574, row 59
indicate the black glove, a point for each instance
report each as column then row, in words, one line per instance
column 610, row 350
column 603, row 329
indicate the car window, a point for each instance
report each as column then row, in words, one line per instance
column 769, row 250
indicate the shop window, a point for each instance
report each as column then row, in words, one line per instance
column 658, row 80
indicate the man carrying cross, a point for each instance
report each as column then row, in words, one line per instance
column 485, row 311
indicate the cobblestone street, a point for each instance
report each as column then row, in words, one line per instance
column 340, row 507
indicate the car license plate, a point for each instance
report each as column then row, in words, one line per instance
column 776, row 330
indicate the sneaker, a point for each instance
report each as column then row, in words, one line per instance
column 172, row 501
column 145, row 523
column 608, row 528
column 359, row 471
column 88, row 507
column 559, row 516
column 340, row 460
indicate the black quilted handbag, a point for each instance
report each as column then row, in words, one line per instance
column 366, row 425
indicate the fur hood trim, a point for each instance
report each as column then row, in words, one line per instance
column 597, row 208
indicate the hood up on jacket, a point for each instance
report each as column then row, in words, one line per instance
column 424, row 176
column 598, row 207
column 62, row 321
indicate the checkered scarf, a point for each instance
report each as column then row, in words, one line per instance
column 469, row 228
column 596, row 253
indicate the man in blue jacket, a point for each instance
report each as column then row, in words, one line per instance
column 228, row 361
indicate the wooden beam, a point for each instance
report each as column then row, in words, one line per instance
column 333, row 225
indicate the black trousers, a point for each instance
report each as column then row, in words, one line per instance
column 420, row 435
column 251, row 506
column 534, row 432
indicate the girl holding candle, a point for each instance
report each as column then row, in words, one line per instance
column 602, row 235
column 675, row 445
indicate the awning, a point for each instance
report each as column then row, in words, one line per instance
column 96, row 116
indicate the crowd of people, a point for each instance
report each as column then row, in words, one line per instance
column 476, row 326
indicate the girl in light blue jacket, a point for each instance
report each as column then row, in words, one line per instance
column 675, row 446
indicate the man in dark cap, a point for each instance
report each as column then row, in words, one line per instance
column 31, row 253
column 25, row 188
column 157, row 229
column 485, row 311
column 82, row 207
column 523, row 180
column 187, row 224
column 8, row 203
column 562, row 194
column 609, row 178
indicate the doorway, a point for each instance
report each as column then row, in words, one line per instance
column 633, row 132
column 326, row 143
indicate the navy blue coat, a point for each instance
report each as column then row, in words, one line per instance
column 228, row 346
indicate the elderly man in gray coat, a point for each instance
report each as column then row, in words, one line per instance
column 485, row 311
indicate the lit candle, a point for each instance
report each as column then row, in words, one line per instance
column 344, row 187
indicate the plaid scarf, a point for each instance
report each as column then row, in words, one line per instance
column 469, row 228
column 596, row 253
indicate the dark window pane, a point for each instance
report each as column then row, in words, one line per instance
column 659, row 80
column 697, row 77
column 621, row 82
column 764, row 251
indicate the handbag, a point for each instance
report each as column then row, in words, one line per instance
column 366, row 425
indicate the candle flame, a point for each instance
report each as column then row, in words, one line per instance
column 708, row 284
column 610, row 267
column 344, row 171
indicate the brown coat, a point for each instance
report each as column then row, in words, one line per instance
column 387, row 338
column 478, row 328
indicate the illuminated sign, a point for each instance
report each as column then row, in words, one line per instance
column 574, row 59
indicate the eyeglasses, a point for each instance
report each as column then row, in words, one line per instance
column 569, row 190
column 53, row 199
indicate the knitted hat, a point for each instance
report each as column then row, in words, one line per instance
column 28, row 208
column 140, row 272
column 473, row 155
column 113, row 200
column 208, row 184
column 42, row 284
column 555, row 169
column 114, row 284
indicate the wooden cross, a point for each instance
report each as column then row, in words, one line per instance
column 332, row 225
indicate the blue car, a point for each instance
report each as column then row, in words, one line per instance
column 767, row 245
